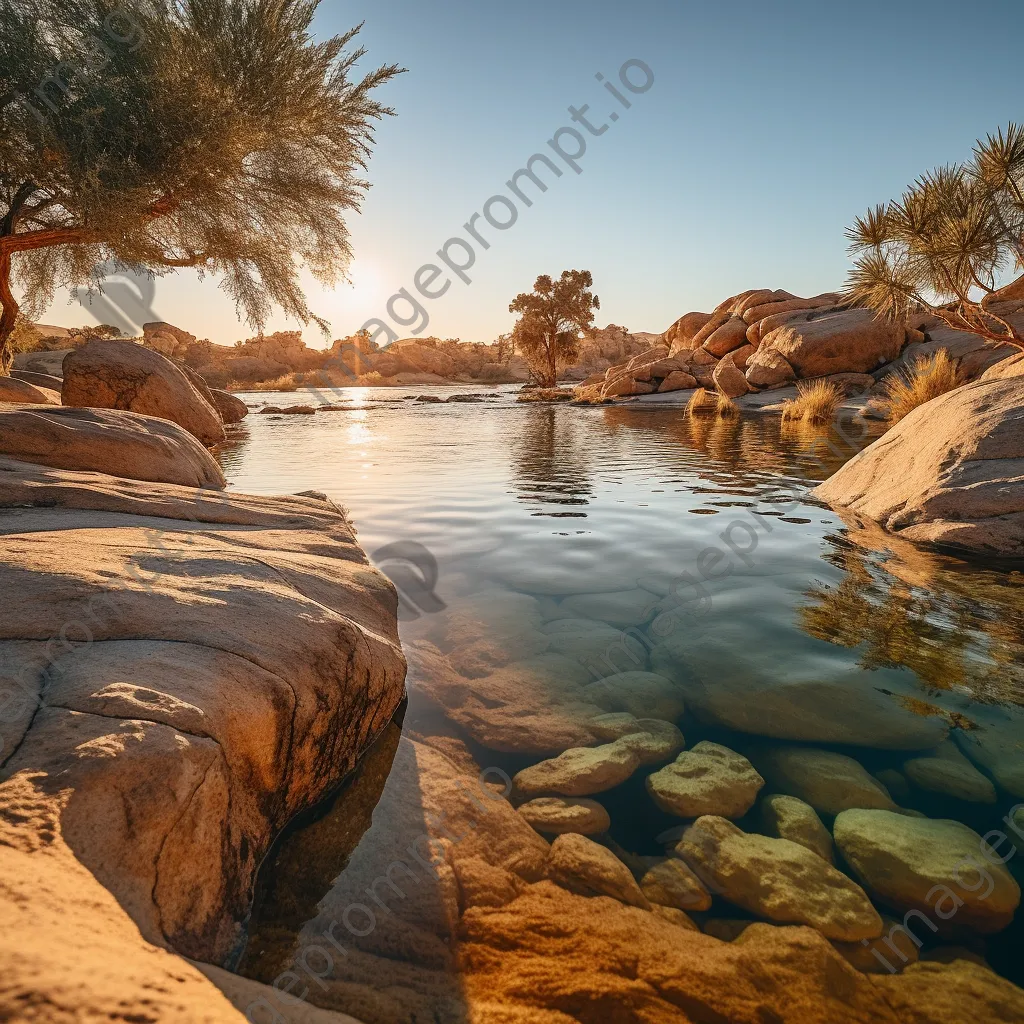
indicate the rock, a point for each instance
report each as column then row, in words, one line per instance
column 828, row 781
column 1013, row 366
column 232, row 658
column 580, row 771
column 638, row 694
column 123, row 375
column 895, row 784
column 788, row 817
column 674, row 917
column 534, row 707
column 287, row 410
column 778, row 880
column 700, row 357
column 709, row 779
column 589, row 869
column 624, row 609
column 46, row 381
column 654, row 741
column 852, row 383
column 558, row 815
column 662, row 368
column 754, row 314
column 231, row 409
column 897, row 948
column 726, row 929
column 122, row 444
column 997, row 745
column 20, row 392
column 679, row 337
column 167, row 339
column 731, row 335
column 670, row 883
column 729, row 379
column 941, row 869
column 679, row 380
column 947, row 474
column 625, row 386
column 767, row 368
column 603, row 650
column 946, row 770
column 835, row 341
column 742, row 356
column 760, row 328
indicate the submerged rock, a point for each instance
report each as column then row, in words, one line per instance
column 946, row 770
column 828, row 781
column 642, row 694
column 627, row 608
column 788, row 817
column 557, row 815
column 231, row 408
column 898, row 947
column 709, row 779
column 777, row 879
column 122, row 444
column 671, row 883
column 941, row 869
column 602, row 649
column 948, row 474
column 589, row 869
column 580, row 771
column 123, row 375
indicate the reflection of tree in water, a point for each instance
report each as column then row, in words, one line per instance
column 954, row 626
column 551, row 460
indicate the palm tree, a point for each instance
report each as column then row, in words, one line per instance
column 941, row 247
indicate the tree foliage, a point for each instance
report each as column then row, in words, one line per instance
column 552, row 319
column 142, row 136
column 942, row 247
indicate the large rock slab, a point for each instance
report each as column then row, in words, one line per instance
column 778, row 880
column 182, row 674
column 941, row 869
column 950, row 474
column 828, row 781
column 123, row 375
column 122, row 444
column 709, row 779
column 835, row 341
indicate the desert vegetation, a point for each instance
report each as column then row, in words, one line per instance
column 926, row 379
column 817, row 402
column 711, row 403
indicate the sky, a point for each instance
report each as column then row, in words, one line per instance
column 766, row 129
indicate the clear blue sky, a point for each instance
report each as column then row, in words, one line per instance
column 767, row 129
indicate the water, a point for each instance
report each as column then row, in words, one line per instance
column 798, row 627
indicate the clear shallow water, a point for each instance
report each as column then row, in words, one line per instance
column 769, row 589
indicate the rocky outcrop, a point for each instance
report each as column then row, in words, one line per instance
column 183, row 673
column 948, row 474
column 778, row 880
column 942, row 870
column 20, row 392
column 122, row 444
column 123, row 375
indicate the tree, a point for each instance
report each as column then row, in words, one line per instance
column 942, row 246
column 142, row 136
column 551, row 319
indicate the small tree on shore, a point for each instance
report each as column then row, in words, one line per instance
column 940, row 248
column 147, row 135
column 551, row 321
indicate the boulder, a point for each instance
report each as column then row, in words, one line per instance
column 626, row 385
column 653, row 740
column 945, row 770
column 754, row 314
column 559, row 815
column 623, row 609
column 19, row 392
column 940, row 869
column 670, row 883
column 700, row 357
column 731, row 335
column 1012, row 366
column 997, row 746
column 239, row 655
column 897, row 947
column 767, row 368
column 589, row 869
column 46, row 381
column 729, row 380
column 679, row 380
column 679, row 337
column 741, row 356
column 709, row 779
column 948, row 474
column 835, row 341
column 122, row 444
column 123, row 375
column 231, row 408
column 638, row 694
column 166, row 339
column 601, row 649
column 828, row 781
column 778, row 880
column 579, row 771
column 788, row 817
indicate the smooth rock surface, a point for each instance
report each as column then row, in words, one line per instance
column 708, row 779
column 231, row 408
column 787, row 817
column 672, row 884
column 122, row 444
column 21, row 392
column 123, row 375
column 778, row 880
column 946, row 770
column 580, row 771
column 557, row 815
column 913, row 864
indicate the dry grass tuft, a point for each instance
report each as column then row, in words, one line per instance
column 926, row 379
column 817, row 402
column 703, row 403
column 725, row 407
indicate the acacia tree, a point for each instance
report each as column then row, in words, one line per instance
column 551, row 320
column 942, row 246
column 143, row 136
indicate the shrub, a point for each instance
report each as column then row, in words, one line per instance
column 926, row 379
column 817, row 402
column 711, row 403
